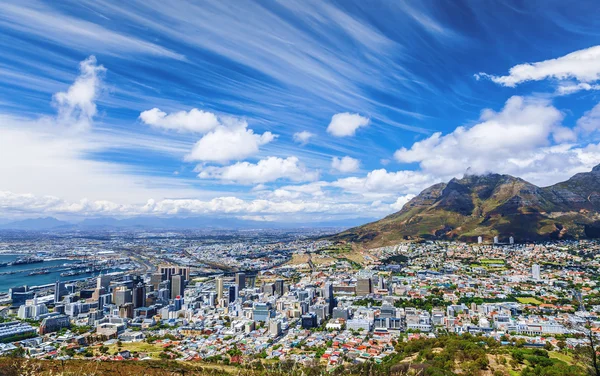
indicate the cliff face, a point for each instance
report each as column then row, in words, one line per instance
column 490, row 205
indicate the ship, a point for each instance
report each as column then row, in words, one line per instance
column 40, row 272
column 26, row 261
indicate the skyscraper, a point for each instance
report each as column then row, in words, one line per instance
column 279, row 287
column 167, row 271
column 219, row 281
column 103, row 282
column 233, row 293
column 240, row 280
column 60, row 290
column 177, row 286
column 364, row 286
column 122, row 295
column 139, row 296
column 535, row 272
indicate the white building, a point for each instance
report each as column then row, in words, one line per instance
column 535, row 272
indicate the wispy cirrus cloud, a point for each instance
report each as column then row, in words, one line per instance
column 44, row 22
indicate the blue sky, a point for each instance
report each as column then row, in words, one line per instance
column 286, row 110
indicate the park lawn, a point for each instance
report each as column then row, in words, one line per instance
column 528, row 300
column 152, row 349
column 560, row 356
column 298, row 259
column 492, row 261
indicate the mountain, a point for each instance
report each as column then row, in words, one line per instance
column 491, row 205
column 174, row 223
column 46, row 223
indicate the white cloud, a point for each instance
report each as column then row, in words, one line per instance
column 345, row 164
column 266, row 170
column 184, row 121
column 303, row 137
column 382, row 181
column 570, row 88
column 516, row 141
column 590, row 121
column 401, row 201
column 76, row 107
column 226, row 143
column 582, row 65
column 523, row 125
column 46, row 23
column 345, row 124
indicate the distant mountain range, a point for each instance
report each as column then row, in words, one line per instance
column 491, row 205
column 150, row 223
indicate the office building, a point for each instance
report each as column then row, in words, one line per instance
column 177, row 285
column 309, row 321
column 139, row 296
column 54, row 324
column 60, row 290
column 364, row 286
column 275, row 328
column 279, row 287
column 535, row 272
column 233, row 293
column 219, row 282
column 168, row 271
column 261, row 311
column 122, row 295
column 240, row 280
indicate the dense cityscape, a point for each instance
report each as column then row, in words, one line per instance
column 230, row 297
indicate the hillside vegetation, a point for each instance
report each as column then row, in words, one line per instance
column 491, row 205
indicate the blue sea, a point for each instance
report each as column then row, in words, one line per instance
column 22, row 278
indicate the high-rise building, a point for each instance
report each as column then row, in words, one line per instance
column 250, row 280
column 177, row 286
column 167, row 271
column 20, row 294
column 261, row 311
column 309, row 320
column 479, row 240
column 535, row 271
column 240, row 280
column 103, row 282
column 219, row 282
column 496, row 239
column 60, row 290
column 155, row 280
column 279, row 287
column 364, row 286
column 511, row 240
column 275, row 328
column 126, row 310
column 233, row 293
column 328, row 291
column 122, row 295
column 139, row 296
column 268, row 288
column 104, row 300
column 178, row 303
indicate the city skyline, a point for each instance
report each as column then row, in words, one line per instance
column 295, row 112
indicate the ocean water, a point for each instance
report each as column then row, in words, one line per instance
column 22, row 278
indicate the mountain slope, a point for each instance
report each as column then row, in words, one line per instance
column 490, row 205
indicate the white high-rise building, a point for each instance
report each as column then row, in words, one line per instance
column 496, row 241
column 511, row 240
column 479, row 240
column 219, row 288
column 535, row 272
